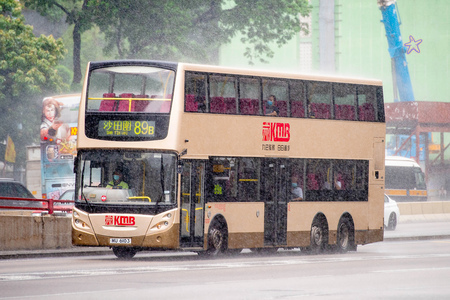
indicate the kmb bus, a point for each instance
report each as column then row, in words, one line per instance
column 184, row 156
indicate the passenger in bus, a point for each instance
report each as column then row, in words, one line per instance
column 296, row 191
column 117, row 182
column 271, row 108
column 337, row 183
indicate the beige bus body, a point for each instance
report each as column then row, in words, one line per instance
column 203, row 135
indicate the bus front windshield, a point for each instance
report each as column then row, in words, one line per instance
column 126, row 177
column 130, row 89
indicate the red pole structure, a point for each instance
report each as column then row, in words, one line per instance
column 50, row 206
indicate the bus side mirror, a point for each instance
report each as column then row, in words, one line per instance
column 75, row 164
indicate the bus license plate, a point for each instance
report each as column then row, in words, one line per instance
column 120, row 241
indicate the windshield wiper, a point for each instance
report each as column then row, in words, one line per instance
column 82, row 186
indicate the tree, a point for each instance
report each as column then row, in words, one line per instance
column 27, row 70
column 195, row 29
column 78, row 13
column 191, row 30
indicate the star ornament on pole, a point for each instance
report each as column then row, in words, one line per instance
column 413, row 45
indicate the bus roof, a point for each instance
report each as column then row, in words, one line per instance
column 239, row 71
column 400, row 161
column 284, row 75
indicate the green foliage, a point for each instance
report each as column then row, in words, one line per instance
column 194, row 30
column 188, row 30
column 27, row 71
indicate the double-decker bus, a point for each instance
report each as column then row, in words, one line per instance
column 58, row 138
column 184, row 156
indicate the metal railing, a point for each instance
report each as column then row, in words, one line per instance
column 50, row 206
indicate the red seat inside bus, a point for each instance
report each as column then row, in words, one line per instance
column 312, row 182
column 108, row 104
column 191, row 104
column 344, row 112
column 126, row 105
column 230, row 105
column 249, row 106
column 140, row 104
column 217, row 105
column 282, row 106
column 321, row 110
column 297, row 109
column 367, row 112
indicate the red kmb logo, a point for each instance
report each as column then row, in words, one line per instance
column 276, row 132
column 120, row 220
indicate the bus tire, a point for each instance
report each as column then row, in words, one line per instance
column 217, row 239
column 392, row 223
column 319, row 237
column 345, row 235
column 124, row 252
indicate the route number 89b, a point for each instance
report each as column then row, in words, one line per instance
column 143, row 128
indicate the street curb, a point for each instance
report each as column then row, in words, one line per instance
column 417, row 238
column 52, row 253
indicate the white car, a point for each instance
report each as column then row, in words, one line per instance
column 391, row 213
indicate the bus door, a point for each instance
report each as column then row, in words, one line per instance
column 192, row 204
column 274, row 191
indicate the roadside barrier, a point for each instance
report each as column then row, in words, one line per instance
column 424, row 208
column 48, row 205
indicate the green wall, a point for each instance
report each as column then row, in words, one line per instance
column 361, row 46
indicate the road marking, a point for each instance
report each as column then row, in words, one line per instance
column 412, row 270
column 201, row 265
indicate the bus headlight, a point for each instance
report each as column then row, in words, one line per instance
column 161, row 225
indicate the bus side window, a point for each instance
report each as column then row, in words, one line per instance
column 195, row 92
column 223, row 176
column 297, row 99
column 344, row 101
column 248, row 177
column 249, row 96
column 280, row 90
column 319, row 100
column 367, row 103
column 222, row 94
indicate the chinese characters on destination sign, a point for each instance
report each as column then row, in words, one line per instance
column 126, row 128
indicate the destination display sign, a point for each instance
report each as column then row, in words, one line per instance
column 129, row 128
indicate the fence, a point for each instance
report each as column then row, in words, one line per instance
column 47, row 205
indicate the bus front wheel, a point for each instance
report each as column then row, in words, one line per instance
column 319, row 237
column 217, row 240
column 124, row 252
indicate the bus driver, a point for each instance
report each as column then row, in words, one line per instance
column 117, row 182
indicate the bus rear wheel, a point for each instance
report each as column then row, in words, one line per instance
column 345, row 236
column 124, row 252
